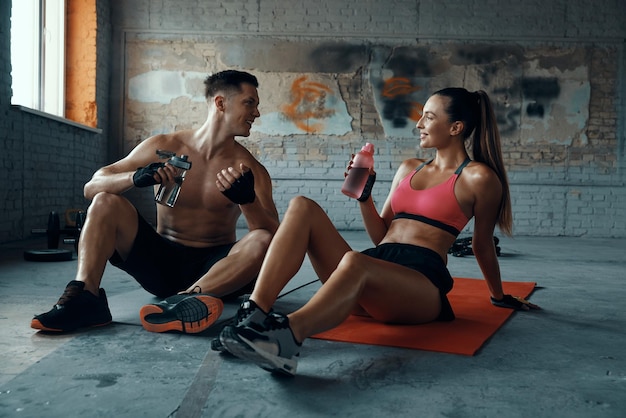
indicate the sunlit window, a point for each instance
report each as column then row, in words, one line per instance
column 38, row 55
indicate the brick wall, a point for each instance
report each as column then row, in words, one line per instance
column 565, row 167
column 553, row 70
column 46, row 161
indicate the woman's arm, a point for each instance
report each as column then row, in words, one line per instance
column 377, row 225
column 487, row 193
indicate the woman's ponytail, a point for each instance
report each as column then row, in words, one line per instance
column 486, row 148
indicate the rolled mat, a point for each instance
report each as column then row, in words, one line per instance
column 476, row 321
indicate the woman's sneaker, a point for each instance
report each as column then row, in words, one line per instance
column 189, row 313
column 76, row 308
column 271, row 347
column 247, row 314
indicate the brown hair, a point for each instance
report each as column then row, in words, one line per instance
column 476, row 113
column 228, row 80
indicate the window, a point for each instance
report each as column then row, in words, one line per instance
column 54, row 58
column 38, row 55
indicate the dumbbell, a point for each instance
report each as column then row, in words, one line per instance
column 53, row 233
column 79, row 222
column 54, row 230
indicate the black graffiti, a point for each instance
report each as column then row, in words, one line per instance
column 338, row 58
column 397, row 111
column 539, row 91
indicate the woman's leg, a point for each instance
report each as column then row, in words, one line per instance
column 387, row 291
column 304, row 229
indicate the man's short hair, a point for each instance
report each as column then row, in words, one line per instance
column 228, row 80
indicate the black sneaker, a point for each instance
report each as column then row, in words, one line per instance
column 248, row 313
column 272, row 347
column 189, row 313
column 76, row 308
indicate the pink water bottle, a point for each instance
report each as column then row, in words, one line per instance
column 357, row 176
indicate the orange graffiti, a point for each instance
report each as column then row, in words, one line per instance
column 417, row 109
column 309, row 101
column 398, row 86
column 401, row 86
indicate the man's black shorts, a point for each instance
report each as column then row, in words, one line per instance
column 424, row 260
column 164, row 267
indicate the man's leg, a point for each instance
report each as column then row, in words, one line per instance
column 238, row 268
column 198, row 307
column 111, row 226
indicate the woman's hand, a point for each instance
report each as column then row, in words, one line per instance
column 514, row 302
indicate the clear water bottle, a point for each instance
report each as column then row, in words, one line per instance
column 168, row 193
column 357, row 176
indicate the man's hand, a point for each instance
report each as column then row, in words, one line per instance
column 155, row 173
column 236, row 185
column 148, row 175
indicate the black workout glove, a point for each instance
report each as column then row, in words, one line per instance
column 513, row 302
column 367, row 190
column 144, row 176
column 242, row 190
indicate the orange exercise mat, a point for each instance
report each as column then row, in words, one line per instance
column 476, row 321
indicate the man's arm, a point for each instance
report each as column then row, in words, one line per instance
column 117, row 178
column 251, row 188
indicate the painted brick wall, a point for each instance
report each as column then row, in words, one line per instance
column 561, row 185
column 565, row 165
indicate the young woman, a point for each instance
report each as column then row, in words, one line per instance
column 404, row 278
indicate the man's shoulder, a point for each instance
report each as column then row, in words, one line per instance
column 242, row 152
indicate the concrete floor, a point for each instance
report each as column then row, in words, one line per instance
column 568, row 360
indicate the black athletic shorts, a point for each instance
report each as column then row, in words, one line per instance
column 164, row 267
column 424, row 260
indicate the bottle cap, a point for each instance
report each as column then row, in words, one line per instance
column 368, row 148
column 180, row 162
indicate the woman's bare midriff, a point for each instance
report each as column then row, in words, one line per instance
column 408, row 231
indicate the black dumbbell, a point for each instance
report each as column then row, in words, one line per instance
column 80, row 222
column 53, row 232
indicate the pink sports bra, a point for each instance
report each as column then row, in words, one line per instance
column 436, row 206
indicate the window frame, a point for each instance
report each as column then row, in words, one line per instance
column 38, row 77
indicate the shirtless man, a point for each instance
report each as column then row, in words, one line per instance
column 192, row 258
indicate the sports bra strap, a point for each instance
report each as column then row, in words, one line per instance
column 423, row 164
column 458, row 170
column 462, row 166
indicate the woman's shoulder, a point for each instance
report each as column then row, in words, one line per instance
column 411, row 163
column 408, row 166
column 480, row 174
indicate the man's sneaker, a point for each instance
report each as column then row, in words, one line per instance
column 76, row 308
column 247, row 314
column 272, row 347
column 189, row 313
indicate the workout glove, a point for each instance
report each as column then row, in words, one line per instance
column 144, row 176
column 242, row 190
column 367, row 190
column 513, row 302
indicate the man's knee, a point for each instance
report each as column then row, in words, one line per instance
column 106, row 204
column 255, row 244
column 262, row 238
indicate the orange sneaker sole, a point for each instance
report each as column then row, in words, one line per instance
column 149, row 315
column 36, row 324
